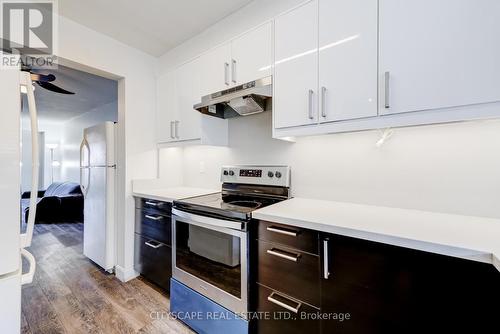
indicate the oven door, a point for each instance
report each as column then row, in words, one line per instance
column 210, row 256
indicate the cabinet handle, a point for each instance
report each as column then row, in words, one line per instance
column 177, row 129
column 233, row 70
column 281, row 231
column 154, row 217
column 387, row 89
column 310, row 111
column 323, row 101
column 326, row 270
column 284, row 305
column 151, row 203
column 172, row 130
column 150, row 244
column 283, row 255
column 226, row 74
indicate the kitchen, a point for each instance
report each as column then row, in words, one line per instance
column 391, row 162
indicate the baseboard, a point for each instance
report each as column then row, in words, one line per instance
column 125, row 275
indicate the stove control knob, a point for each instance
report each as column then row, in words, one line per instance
column 225, row 172
column 231, row 173
column 278, row 174
column 270, row 174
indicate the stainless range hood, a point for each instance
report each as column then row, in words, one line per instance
column 250, row 98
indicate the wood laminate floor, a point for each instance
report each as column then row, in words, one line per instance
column 70, row 294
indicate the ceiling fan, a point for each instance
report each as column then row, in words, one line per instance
column 44, row 81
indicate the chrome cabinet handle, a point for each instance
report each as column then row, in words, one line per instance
column 151, row 203
column 387, row 89
column 326, row 270
column 226, row 73
column 172, row 130
column 311, row 95
column 323, row 101
column 177, row 129
column 233, row 70
column 282, row 255
column 280, row 231
column 154, row 217
column 148, row 243
column 284, row 305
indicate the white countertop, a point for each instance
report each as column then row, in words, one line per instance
column 468, row 237
column 171, row 194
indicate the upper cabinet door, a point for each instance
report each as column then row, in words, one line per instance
column 296, row 67
column 252, row 55
column 187, row 85
column 347, row 59
column 215, row 67
column 166, row 112
column 438, row 54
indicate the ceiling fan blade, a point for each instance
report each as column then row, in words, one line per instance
column 42, row 77
column 53, row 88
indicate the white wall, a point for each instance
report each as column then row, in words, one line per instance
column 72, row 136
column 447, row 168
column 85, row 49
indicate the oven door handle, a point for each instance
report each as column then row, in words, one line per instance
column 208, row 220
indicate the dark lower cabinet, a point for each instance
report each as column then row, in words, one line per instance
column 280, row 313
column 389, row 289
column 153, row 260
column 153, row 240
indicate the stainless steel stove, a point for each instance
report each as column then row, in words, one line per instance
column 210, row 233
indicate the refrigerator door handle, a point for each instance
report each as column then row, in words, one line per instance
column 28, row 277
column 84, row 188
column 25, row 79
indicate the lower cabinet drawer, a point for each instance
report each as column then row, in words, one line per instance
column 280, row 314
column 154, row 225
column 153, row 260
column 290, row 271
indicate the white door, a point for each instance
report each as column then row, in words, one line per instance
column 296, row 67
column 187, row 125
column 10, row 281
column 438, row 54
column 251, row 55
column 165, row 110
column 347, row 59
column 94, row 229
column 215, row 70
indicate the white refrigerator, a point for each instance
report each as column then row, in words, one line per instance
column 12, row 241
column 97, row 180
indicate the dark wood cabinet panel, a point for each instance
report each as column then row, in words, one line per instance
column 154, row 225
column 389, row 289
column 276, row 316
column 293, row 272
column 293, row 237
column 153, row 260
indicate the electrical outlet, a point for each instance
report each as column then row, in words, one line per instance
column 202, row 167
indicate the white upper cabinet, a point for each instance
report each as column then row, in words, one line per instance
column 166, row 112
column 251, row 55
column 296, row 67
column 347, row 59
column 215, row 67
column 438, row 54
column 187, row 126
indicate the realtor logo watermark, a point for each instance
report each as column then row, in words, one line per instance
column 28, row 33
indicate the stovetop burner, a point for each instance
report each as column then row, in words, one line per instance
column 247, row 204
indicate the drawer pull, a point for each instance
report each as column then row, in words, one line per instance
column 153, row 244
column 151, row 203
column 154, row 217
column 282, row 231
column 282, row 304
column 284, row 255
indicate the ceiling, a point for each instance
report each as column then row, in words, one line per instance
column 154, row 26
column 91, row 91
